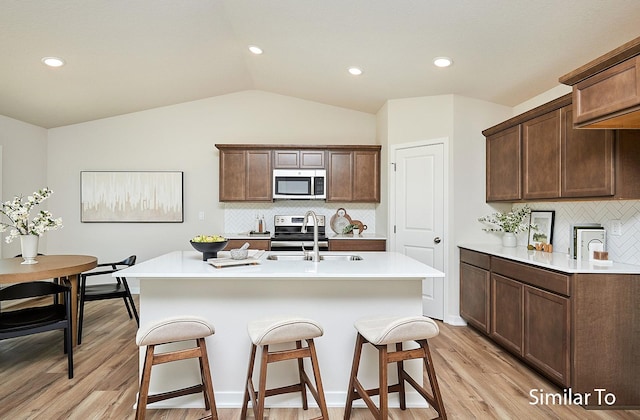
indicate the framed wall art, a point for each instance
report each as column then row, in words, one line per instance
column 131, row 196
column 543, row 220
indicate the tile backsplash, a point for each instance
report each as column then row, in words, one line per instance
column 623, row 248
column 240, row 217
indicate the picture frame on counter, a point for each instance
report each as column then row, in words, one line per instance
column 543, row 220
column 131, row 197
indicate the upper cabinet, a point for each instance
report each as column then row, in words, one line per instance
column 587, row 166
column 606, row 91
column 245, row 174
column 503, row 165
column 557, row 161
column 246, row 170
column 302, row 159
column 353, row 174
column 541, row 143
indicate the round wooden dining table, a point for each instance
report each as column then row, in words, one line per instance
column 65, row 267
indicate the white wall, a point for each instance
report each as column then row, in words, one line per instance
column 382, row 136
column 24, row 167
column 180, row 137
column 460, row 120
column 541, row 99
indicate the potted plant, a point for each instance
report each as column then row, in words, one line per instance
column 29, row 230
column 348, row 229
column 511, row 223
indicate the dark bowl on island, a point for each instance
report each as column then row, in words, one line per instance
column 209, row 249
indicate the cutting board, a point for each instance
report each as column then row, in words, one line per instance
column 224, row 259
column 230, row 262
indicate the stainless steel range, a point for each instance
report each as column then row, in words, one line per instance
column 288, row 236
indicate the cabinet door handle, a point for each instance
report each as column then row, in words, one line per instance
column 437, row 239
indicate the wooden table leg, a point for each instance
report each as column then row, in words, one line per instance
column 73, row 283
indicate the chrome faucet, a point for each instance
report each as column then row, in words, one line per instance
column 315, row 257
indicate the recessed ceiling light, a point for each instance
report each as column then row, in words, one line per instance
column 355, row 71
column 442, row 61
column 53, row 61
column 255, row 49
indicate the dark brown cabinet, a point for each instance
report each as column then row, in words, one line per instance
column 339, row 175
column 605, row 99
column 357, row 244
column 606, row 91
column 541, row 145
column 558, row 161
column 245, row 175
column 504, row 165
column 253, row 244
column 575, row 329
column 354, row 175
column 587, row 165
column 532, row 323
column 506, row 313
column 302, row 159
column 475, row 289
column 246, row 170
column 546, row 333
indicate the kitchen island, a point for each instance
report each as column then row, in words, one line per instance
column 333, row 292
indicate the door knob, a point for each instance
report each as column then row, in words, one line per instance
column 437, row 239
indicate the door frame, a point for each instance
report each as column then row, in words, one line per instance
column 447, row 241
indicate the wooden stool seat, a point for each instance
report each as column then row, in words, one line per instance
column 172, row 330
column 380, row 332
column 276, row 330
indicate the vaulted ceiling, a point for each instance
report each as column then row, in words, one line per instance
column 124, row 56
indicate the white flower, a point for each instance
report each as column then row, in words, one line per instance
column 18, row 214
column 509, row 222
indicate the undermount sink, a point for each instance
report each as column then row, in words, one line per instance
column 323, row 257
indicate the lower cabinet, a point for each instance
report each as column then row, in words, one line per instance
column 475, row 296
column 507, row 313
column 507, row 301
column 579, row 330
column 532, row 323
column 546, row 333
column 253, row 244
column 357, row 244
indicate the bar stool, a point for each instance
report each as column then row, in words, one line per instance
column 172, row 330
column 277, row 330
column 379, row 332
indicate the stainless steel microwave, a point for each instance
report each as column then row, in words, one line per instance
column 300, row 184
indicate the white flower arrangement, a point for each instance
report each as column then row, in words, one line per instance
column 513, row 221
column 18, row 212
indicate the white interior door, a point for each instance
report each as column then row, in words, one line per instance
column 419, row 215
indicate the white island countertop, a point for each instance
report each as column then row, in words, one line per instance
column 334, row 293
column 374, row 265
column 552, row 260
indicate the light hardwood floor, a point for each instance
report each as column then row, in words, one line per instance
column 477, row 379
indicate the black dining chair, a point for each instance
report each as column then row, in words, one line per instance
column 55, row 280
column 118, row 288
column 36, row 319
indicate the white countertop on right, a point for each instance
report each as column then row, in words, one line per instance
column 552, row 260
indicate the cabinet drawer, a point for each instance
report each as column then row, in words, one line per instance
column 545, row 279
column 253, row 244
column 357, row 245
column 475, row 258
